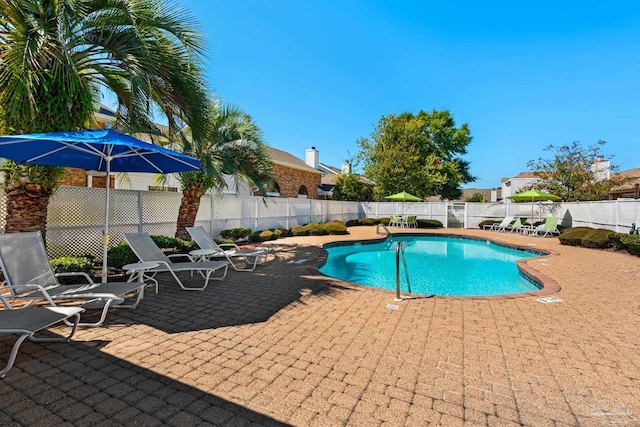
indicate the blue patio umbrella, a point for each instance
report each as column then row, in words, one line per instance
column 102, row 150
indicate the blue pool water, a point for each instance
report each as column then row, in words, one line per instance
column 437, row 265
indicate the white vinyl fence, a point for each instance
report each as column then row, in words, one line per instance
column 75, row 216
column 617, row 215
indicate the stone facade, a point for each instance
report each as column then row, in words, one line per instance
column 290, row 180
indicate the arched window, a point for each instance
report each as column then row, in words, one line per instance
column 303, row 191
column 272, row 189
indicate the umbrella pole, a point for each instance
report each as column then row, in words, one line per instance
column 105, row 235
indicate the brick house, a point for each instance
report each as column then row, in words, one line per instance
column 292, row 177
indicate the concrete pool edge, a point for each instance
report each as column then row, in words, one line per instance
column 548, row 285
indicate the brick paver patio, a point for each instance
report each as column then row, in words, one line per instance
column 286, row 346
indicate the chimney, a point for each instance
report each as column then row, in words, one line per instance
column 601, row 169
column 312, row 157
column 346, row 167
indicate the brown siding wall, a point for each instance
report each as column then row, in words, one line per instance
column 290, row 180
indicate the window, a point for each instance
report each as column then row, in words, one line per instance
column 302, row 191
column 272, row 189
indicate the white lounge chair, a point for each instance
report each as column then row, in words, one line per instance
column 500, row 226
column 24, row 261
column 209, row 249
column 26, row 321
column 147, row 251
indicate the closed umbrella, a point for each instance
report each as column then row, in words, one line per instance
column 533, row 196
column 102, row 150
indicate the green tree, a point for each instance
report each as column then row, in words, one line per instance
column 571, row 172
column 418, row 153
column 56, row 56
column 233, row 145
column 476, row 197
column 349, row 186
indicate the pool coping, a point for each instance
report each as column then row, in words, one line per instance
column 548, row 285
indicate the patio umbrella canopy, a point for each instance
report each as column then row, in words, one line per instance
column 102, row 150
column 403, row 197
column 533, row 196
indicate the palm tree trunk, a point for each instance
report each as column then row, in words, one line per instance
column 27, row 208
column 189, row 206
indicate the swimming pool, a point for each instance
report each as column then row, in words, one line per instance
column 437, row 265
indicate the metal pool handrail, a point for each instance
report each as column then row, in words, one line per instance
column 400, row 247
column 385, row 229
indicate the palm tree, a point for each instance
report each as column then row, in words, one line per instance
column 57, row 56
column 233, row 146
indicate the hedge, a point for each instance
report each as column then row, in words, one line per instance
column 120, row 255
column 70, row 264
column 333, row 227
column 587, row 237
column 626, row 242
column 236, row 233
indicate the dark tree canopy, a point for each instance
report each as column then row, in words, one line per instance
column 418, row 153
column 572, row 172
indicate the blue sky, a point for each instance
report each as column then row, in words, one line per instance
column 523, row 76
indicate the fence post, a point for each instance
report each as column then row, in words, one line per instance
column 140, row 212
column 446, row 214
column 211, row 214
column 615, row 206
column 466, row 214
column 590, row 214
column 288, row 213
column 256, row 213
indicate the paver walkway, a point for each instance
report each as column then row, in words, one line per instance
column 286, row 346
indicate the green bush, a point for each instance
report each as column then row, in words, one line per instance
column 261, row 236
column 429, row 223
column 70, row 264
column 277, row 233
column 362, row 221
column 236, row 233
column 285, row 232
column 300, row 230
column 316, row 229
column 120, row 255
column 598, row 239
column 179, row 245
column 335, row 227
column 574, row 236
column 384, row 221
column 626, row 242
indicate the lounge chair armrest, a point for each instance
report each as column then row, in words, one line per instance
column 76, row 274
column 229, row 245
column 34, row 288
column 189, row 257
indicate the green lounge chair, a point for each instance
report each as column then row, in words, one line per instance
column 550, row 227
column 517, row 226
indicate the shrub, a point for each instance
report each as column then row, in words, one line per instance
column 285, row 232
column 429, row 223
column 179, row 245
column 316, row 230
column 335, row 227
column 384, row 221
column 369, row 221
column 626, row 242
column 120, row 255
column 236, row 233
column 69, row 264
column 261, row 236
column 277, row 233
column 574, row 236
column 300, row 230
column 598, row 239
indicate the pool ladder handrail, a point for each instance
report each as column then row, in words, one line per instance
column 400, row 250
column 385, row 229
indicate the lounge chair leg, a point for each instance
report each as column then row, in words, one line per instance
column 13, row 354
